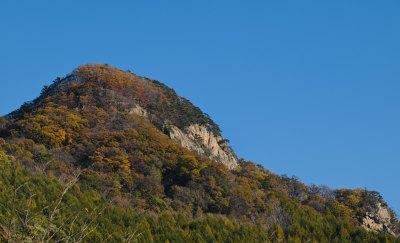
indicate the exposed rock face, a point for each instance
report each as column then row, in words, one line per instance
column 198, row 138
column 378, row 219
column 139, row 111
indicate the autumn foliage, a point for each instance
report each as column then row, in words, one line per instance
column 148, row 187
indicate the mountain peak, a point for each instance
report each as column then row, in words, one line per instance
column 136, row 144
column 105, row 74
column 117, row 91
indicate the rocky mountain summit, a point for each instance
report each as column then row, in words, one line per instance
column 105, row 155
column 127, row 92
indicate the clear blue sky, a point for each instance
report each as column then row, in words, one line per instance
column 307, row 88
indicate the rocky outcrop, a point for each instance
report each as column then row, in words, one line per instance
column 139, row 111
column 200, row 139
column 197, row 138
column 378, row 219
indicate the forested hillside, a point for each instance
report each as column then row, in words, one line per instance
column 105, row 155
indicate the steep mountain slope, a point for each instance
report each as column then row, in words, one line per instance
column 106, row 155
column 115, row 91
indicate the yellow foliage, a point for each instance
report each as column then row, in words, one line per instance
column 44, row 130
column 74, row 121
column 5, row 159
column 114, row 158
